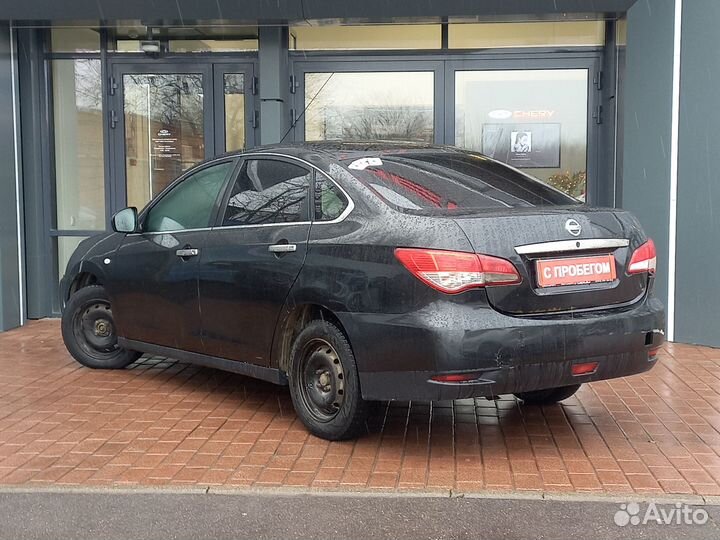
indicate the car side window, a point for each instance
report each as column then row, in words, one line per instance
column 330, row 202
column 268, row 191
column 189, row 205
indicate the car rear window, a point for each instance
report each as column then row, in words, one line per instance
column 425, row 182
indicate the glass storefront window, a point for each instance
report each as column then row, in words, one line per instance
column 621, row 29
column 79, row 155
column 526, row 34
column 369, row 106
column 83, row 40
column 212, row 45
column 164, row 131
column 128, row 45
column 395, row 36
column 65, row 246
column 234, row 92
column 535, row 120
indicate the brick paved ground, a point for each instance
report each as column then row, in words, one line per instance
column 169, row 423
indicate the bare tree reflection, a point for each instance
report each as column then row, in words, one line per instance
column 166, row 99
column 281, row 203
column 378, row 116
column 389, row 123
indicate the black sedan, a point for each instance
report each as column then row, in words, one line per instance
column 361, row 272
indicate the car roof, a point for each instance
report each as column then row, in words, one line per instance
column 341, row 150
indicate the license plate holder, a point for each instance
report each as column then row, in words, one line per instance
column 575, row 270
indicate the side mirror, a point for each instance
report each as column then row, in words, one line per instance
column 126, row 220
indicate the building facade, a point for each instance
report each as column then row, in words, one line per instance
column 104, row 103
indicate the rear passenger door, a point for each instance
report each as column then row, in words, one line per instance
column 253, row 256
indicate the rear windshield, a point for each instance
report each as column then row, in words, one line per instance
column 425, row 182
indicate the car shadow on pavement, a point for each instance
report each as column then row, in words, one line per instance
column 391, row 420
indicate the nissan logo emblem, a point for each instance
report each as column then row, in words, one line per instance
column 573, row 227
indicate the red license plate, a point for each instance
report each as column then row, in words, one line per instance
column 575, row 271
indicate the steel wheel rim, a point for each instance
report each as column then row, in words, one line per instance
column 94, row 329
column 322, row 380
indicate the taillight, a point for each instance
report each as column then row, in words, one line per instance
column 644, row 259
column 455, row 377
column 586, row 368
column 457, row 271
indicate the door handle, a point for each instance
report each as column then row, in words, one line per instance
column 187, row 252
column 282, row 248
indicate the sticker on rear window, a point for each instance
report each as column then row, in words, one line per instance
column 363, row 163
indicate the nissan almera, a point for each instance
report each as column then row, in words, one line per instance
column 362, row 272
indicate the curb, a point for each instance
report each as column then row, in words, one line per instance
column 326, row 492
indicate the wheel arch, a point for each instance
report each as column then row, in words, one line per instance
column 294, row 319
column 80, row 281
column 85, row 273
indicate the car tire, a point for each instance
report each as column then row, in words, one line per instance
column 548, row 396
column 324, row 383
column 88, row 331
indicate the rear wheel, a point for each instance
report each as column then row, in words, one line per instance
column 324, row 383
column 549, row 396
column 88, row 330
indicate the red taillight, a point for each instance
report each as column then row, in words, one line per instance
column 644, row 259
column 455, row 377
column 457, row 271
column 586, row 368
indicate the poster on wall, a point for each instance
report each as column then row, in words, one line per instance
column 523, row 145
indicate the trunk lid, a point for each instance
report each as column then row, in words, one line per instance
column 527, row 235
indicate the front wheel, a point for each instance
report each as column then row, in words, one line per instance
column 324, row 383
column 549, row 396
column 88, row 330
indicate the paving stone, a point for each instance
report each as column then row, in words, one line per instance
column 162, row 422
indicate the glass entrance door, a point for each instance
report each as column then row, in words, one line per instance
column 168, row 118
column 164, row 134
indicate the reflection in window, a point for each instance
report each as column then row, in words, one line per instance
column 526, row 34
column 189, row 205
column 163, row 131
column 392, row 36
column 234, row 92
column 83, row 40
column 65, row 247
column 329, row 200
column 426, row 181
column 268, row 191
column 535, row 120
column 78, row 129
column 369, row 106
column 212, row 45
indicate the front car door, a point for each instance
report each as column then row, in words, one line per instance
column 154, row 275
column 253, row 256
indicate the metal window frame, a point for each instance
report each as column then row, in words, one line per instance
column 444, row 64
column 300, row 62
column 570, row 61
column 114, row 186
column 246, row 156
column 211, row 66
column 361, row 64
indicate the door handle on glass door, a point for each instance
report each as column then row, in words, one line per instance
column 187, row 252
column 282, row 248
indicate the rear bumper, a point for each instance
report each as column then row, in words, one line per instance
column 397, row 355
column 417, row 385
